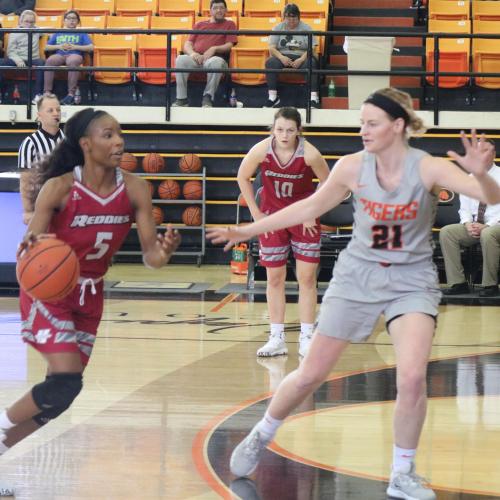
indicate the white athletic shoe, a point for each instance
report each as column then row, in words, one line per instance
column 246, row 455
column 6, row 491
column 275, row 346
column 409, row 486
column 304, row 343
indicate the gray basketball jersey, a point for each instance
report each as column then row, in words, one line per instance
column 393, row 227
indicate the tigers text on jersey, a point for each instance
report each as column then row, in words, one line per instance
column 393, row 227
column 285, row 184
column 93, row 226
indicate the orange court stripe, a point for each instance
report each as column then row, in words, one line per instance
column 226, row 300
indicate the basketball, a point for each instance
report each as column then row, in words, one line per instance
column 152, row 163
column 190, row 163
column 128, row 162
column 192, row 216
column 157, row 215
column 192, row 190
column 49, row 270
column 169, row 190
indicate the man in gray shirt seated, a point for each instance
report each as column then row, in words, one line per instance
column 290, row 52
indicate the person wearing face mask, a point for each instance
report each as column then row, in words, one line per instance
column 290, row 52
column 38, row 145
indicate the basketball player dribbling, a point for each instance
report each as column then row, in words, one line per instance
column 288, row 164
column 386, row 269
column 90, row 207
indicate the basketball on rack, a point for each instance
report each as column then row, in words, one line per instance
column 157, row 215
column 48, row 270
column 128, row 162
column 192, row 190
column 192, row 216
column 152, row 163
column 190, row 163
column 169, row 190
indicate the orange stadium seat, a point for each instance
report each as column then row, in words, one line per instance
column 114, row 51
column 52, row 7
column 234, row 7
column 174, row 23
column 97, row 22
column 9, row 21
column 49, row 21
column 94, row 7
column 178, row 8
column 313, row 6
column 486, row 10
column 152, row 53
column 264, row 8
column 454, row 53
column 449, row 9
column 136, row 7
column 486, row 54
column 128, row 22
column 317, row 23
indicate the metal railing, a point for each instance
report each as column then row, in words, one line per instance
column 308, row 72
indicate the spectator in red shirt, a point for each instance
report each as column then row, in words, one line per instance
column 208, row 51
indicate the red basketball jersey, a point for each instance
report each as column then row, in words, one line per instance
column 93, row 226
column 283, row 185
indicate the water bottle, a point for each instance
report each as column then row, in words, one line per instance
column 16, row 95
column 233, row 102
column 78, row 96
column 331, row 88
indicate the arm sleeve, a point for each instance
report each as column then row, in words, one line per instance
column 26, row 154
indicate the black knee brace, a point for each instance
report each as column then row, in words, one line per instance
column 55, row 395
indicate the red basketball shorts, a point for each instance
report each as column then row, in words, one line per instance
column 63, row 326
column 275, row 246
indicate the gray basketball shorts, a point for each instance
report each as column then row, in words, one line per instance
column 361, row 291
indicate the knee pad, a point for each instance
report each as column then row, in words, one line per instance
column 57, row 392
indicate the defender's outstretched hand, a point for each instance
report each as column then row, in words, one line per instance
column 478, row 154
column 229, row 235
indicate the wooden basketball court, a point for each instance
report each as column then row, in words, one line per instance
column 174, row 384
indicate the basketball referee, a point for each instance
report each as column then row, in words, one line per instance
column 37, row 145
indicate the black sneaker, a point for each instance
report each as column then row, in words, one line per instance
column 272, row 104
column 457, row 289
column 489, row 291
column 315, row 104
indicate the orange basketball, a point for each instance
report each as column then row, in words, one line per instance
column 190, row 163
column 128, row 162
column 153, row 163
column 169, row 190
column 192, row 216
column 192, row 190
column 49, row 270
column 157, row 215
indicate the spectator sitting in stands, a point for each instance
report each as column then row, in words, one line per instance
column 17, row 49
column 69, row 49
column 290, row 52
column 16, row 6
column 479, row 223
column 206, row 51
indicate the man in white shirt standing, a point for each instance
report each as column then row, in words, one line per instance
column 479, row 223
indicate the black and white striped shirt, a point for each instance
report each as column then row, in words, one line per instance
column 36, row 146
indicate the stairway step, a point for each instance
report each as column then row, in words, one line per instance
column 397, row 61
column 364, row 22
column 367, row 4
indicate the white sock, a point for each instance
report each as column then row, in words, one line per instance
column 5, row 422
column 273, row 95
column 402, row 459
column 268, row 426
column 277, row 329
column 314, row 96
column 306, row 329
